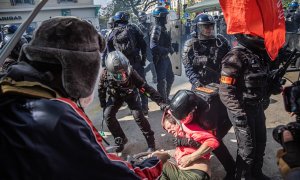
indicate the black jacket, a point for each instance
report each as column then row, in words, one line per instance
column 107, row 85
column 53, row 139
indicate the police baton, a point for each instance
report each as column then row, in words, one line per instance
column 17, row 35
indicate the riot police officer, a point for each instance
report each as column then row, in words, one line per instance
column 12, row 58
column 292, row 17
column 188, row 107
column 203, row 53
column 160, row 44
column 243, row 86
column 145, row 28
column 120, row 80
column 129, row 39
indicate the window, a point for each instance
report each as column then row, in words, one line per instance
column 66, row 1
column 66, row 12
column 17, row 2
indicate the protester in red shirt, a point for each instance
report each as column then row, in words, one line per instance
column 192, row 163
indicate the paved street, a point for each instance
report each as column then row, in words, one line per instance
column 275, row 116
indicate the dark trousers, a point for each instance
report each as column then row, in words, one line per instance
column 140, row 70
column 222, row 152
column 150, row 66
column 134, row 104
column 251, row 141
column 165, row 76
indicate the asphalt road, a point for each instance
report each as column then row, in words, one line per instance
column 275, row 116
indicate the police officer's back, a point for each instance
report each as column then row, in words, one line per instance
column 127, row 38
column 203, row 53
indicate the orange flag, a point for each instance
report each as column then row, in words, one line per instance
column 263, row 18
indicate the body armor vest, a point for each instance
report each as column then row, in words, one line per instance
column 207, row 59
column 116, row 89
column 255, row 78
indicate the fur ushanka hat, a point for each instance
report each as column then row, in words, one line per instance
column 75, row 45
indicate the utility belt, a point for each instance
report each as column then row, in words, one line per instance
column 120, row 93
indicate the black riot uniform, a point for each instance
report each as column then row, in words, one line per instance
column 129, row 39
column 243, row 87
column 160, row 44
column 145, row 28
column 202, row 54
column 119, row 80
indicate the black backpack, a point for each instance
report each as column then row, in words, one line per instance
column 124, row 40
column 217, row 112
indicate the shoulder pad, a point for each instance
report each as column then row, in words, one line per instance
column 189, row 44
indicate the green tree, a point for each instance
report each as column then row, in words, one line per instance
column 286, row 3
column 137, row 5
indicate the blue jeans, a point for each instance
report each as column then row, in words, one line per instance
column 165, row 76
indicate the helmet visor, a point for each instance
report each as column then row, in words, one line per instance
column 207, row 31
column 120, row 76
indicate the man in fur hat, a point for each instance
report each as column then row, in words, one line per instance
column 44, row 132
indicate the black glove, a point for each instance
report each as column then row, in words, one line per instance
column 182, row 141
column 292, row 157
column 163, row 106
column 103, row 104
column 171, row 50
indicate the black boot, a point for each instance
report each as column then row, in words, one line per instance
column 243, row 170
column 258, row 162
column 120, row 142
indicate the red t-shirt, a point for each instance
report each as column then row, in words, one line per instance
column 195, row 132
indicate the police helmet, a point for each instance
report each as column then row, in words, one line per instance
column 142, row 16
column 294, row 5
column 160, row 11
column 251, row 42
column 29, row 30
column 204, row 26
column 118, row 66
column 182, row 103
column 10, row 28
column 121, row 17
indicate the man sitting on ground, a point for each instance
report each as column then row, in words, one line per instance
column 192, row 162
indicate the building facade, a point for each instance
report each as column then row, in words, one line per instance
column 16, row 11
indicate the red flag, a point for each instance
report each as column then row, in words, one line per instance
column 263, row 18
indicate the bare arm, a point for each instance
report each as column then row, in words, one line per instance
column 187, row 160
